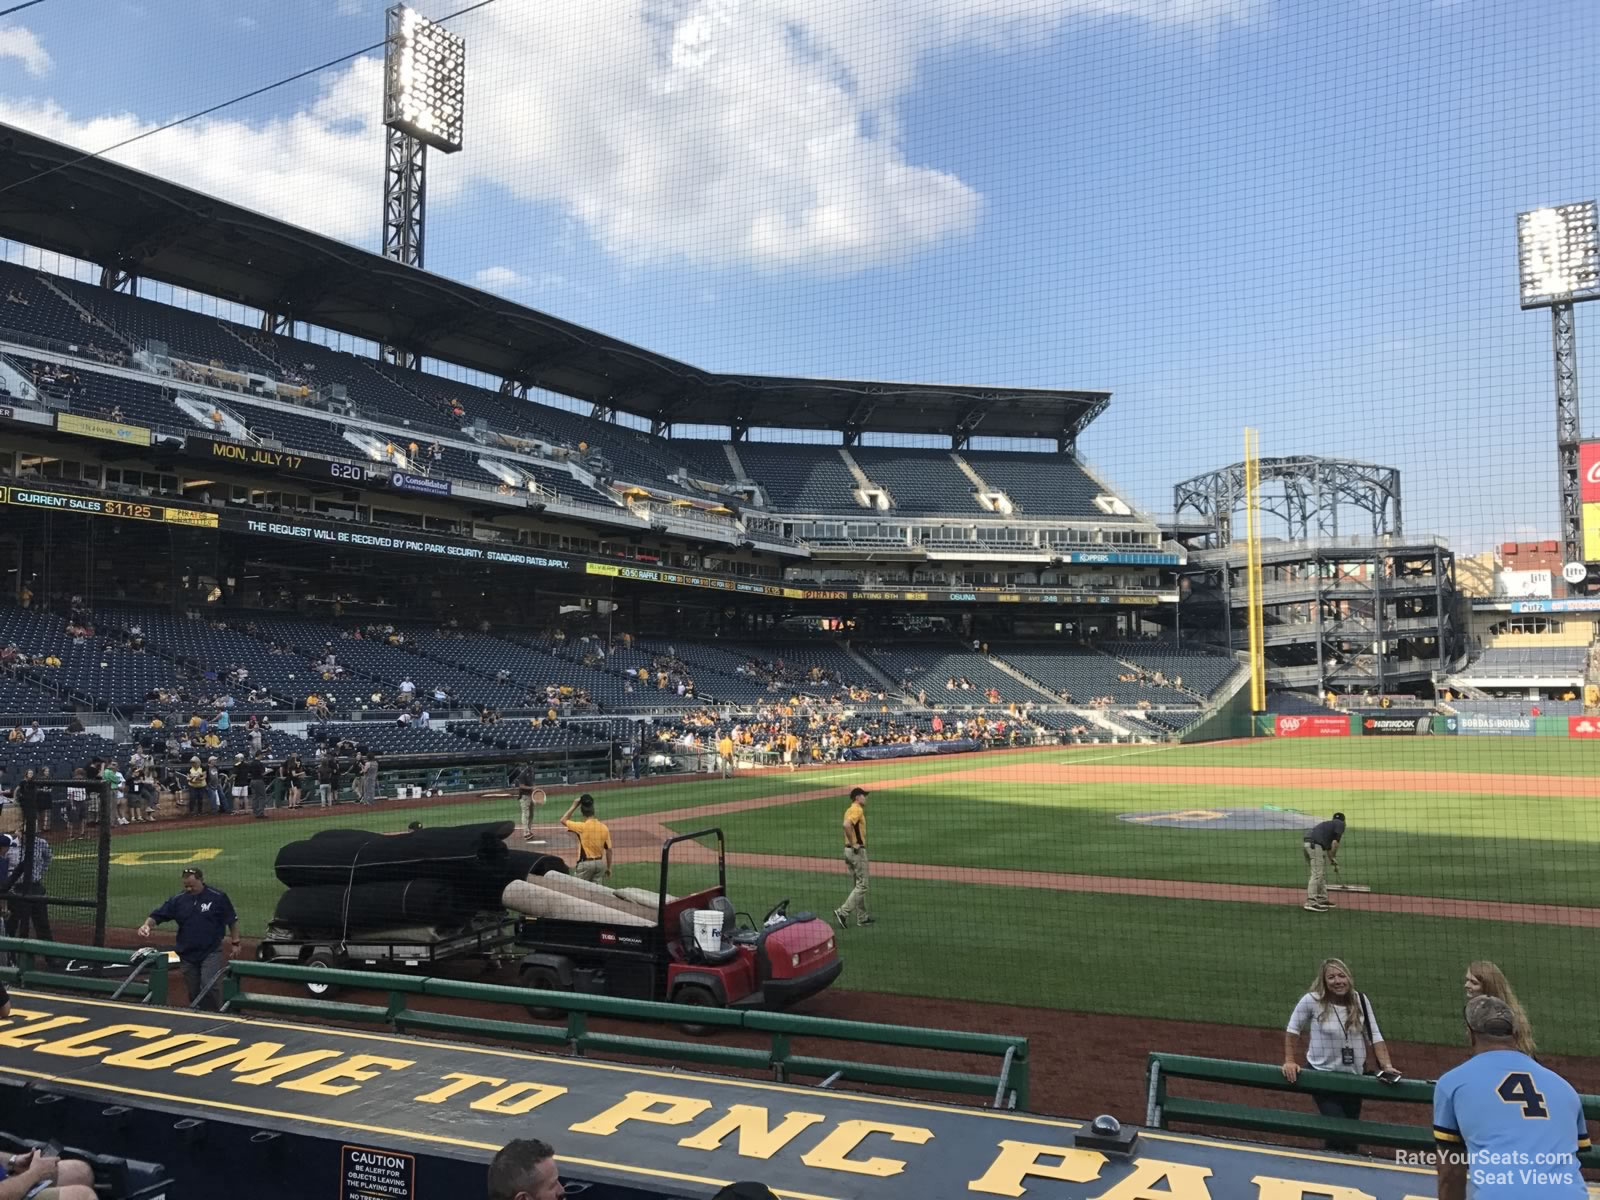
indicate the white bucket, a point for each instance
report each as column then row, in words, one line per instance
column 708, row 930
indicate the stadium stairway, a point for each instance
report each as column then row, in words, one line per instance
column 1023, row 677
column 871, row 671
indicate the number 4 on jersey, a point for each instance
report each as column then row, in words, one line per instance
column 1518, row 1088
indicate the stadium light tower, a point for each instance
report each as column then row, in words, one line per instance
column 424, row 83
column 1558, row 254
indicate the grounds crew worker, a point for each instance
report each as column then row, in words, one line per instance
column 1322, row 851
column 855, row 858
column 594, row 840
column 529, row 797
column 203, row 913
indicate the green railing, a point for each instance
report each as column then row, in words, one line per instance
column 1006, row 1087
column 1164, row 1108
column 29, row 964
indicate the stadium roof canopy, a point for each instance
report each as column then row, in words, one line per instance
column 135, row 225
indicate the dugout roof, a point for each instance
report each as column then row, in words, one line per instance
column 53, row 197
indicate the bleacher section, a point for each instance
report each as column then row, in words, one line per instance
column 1516, row 708
column 802, row 479
column 30, row 306
column 1528, row 663
column 1202, row 672
column 931, row 667
column 1041, row 484
column 1085, row 675
column 920, row 481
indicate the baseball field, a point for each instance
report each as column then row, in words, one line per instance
column 1146, row 881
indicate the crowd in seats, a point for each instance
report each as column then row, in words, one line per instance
column 1201, row 672
column 1081, row 675
column 943, row 676
column 1521, row 707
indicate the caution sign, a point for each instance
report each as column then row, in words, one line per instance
column 367, row 1173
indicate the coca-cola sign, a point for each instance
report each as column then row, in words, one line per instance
column 1589, row 472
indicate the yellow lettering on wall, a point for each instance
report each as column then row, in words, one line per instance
column 1269, row 1187
column 163, row 858
column 24, row 1036
column 518, row 1098
column 81, row 1045
column 259, row 1063
column 169, row 1051
column 757, row 1139
column 358, row 1067
column 460, row 1083
column 654, row 1107
column 1180, row 1181
column 1018, row 1160
column 832, row 1152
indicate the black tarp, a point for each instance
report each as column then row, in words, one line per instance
column 348, row 856
column 329, row 908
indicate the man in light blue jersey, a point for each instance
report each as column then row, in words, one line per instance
column 1506, row 1127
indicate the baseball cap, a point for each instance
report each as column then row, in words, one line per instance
column 1338, row 816
column 746, row 1191
column 857, row 791
column 1490, row 1016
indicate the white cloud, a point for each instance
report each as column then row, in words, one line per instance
column 21, row 44
column 245, row 22
column 718, row 132
column 503, row 280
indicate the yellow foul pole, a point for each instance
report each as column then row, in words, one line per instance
column 1252, row 513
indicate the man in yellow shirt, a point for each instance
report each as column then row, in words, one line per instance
column 594, row 840
column 855, row 860
column 791, row 743
column 725, row 755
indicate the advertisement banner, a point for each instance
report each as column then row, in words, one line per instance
column 111, row 431
column 1591, row 533
column 1583, row 727
column 1394, row 723
column 1313, row 725
column 406, row 482
column 1589, row 472
column 910, row 750
column 1490, row 725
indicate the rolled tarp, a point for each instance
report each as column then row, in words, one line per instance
column 349, row 857
column 533, row 899
column 331, row 909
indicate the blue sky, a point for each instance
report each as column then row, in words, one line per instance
column 1293, row 214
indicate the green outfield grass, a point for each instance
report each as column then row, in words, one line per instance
column 1159, row 957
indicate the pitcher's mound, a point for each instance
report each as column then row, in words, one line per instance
column 1221, row 818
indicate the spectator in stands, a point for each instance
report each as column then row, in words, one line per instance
column 35, row 735
column 1486, row 979
column 202, row 913
column 36, row 1174
column 1500, row 1113
column 197, row 788
column 1343, row 1028
column 424, row 719
column 27, row 913
column 525, row 1169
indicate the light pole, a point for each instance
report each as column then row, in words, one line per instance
column 424, row 83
